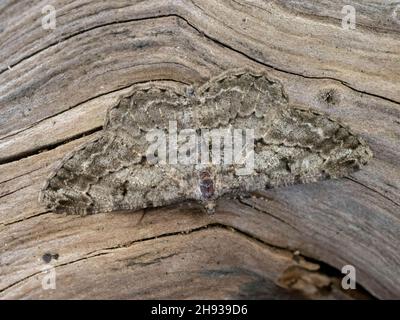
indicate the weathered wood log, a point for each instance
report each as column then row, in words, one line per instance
column 56, row 85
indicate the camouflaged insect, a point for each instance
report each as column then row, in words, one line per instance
column 291, row 145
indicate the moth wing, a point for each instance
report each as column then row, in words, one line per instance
column 239, row 93
column 111, row 172
column 296, row 145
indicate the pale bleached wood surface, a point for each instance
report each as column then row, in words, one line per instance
column 55, row 87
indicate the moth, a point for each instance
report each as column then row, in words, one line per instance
column 289, row 145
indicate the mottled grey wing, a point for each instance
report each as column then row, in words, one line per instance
column 238, row 93
column 292, row 145
column 111, row 172
column 304, row 146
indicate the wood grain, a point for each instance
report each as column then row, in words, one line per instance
column 55, row 87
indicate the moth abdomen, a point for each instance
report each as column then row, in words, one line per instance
column 206, row 185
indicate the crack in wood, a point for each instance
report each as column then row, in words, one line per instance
column 86, row 101
column 344, row 83
column 373, row 190
column 21, row 175
column 48, row 147
column 105, row 251
column 257, row 208
column 14, row 191
column 81, row 32
column 24, row 219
